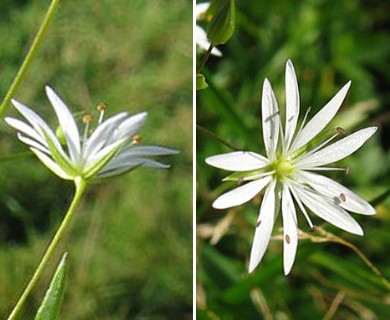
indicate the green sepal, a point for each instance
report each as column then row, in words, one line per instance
column 243, row 175
column 221, row 26
column 61, row 136
column 59, row 158
column 201, row 82
column 49, row 309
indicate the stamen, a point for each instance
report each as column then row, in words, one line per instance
column 258, row 223
column 322, row 168
column 347, row 170
column 320, row 146
column 240, row 181
column 342, row 197
column 101, row 107
column 287, row 239
column 137, row 139
column 340, row 130
column 300, row 205
column 304, row 121
column 312, row 229
column 87, row 118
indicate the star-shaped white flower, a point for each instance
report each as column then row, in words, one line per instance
column 286, row 172
column 200, row 34
column 111, row 149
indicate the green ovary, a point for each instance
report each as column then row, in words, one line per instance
column 283, row 168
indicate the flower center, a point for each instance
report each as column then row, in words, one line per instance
column 283, row 168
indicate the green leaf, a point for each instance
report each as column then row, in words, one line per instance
column 223, row 23
column 201, row 82
column 51, row 304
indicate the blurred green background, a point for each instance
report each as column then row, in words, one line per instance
column 130, row 246
column 329, row 42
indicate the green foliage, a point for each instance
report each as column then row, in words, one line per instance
column 50, row 307
column 130, row 243
column 329, row 44
column 223, row 22
column 201, row 82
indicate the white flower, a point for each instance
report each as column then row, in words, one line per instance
column 286, row 172
column 200, row 34
column 111, row 149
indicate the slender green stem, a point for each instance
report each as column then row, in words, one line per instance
column 30, row 55
column 80, row 188
column 214, row 136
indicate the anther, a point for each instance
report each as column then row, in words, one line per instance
column 347, row 170
column 308, row 110
column 342, row 197
column 312, row 229
column 137, row 139
column 287, row 238
column 340, row 130
column 87, row 118
column 101, row 108
column 240, row 181
column 258, row 223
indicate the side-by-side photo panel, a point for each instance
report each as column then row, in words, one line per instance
column 292, row 159
column 96, row 184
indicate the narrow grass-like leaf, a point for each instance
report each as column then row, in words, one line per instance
column 51, row 304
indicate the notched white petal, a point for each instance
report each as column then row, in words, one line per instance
column 327, row 210
column 292, row 103
column 238, row 161
column 67, row 123
column 49, row 163
column 290, row 230
column 265, row 224
column 342, row 196
column 270, row 119
column 241, row 194
column 321, row 119
column 130, row 126
column 338, row 150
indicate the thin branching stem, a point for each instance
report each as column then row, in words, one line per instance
column 80, row 189
column 204, row 59
column 29, row 57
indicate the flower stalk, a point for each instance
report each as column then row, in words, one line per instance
column 80, row 189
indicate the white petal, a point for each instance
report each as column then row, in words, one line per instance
column 37, row 122
column 344, row 197
column 241, row 194
column 321, row 119
column 338, row 150
column 149, row 151
column 48, row 162
column 67, row 123
column 201, row 8
column 264, row 227
column 292, row 103
column 324, row 208
column 204, row 43
column 238, row 161
column 33, row 143
column 290, row 230
column 130, row 126
column 102, row 134
column 26, row 129
column 271, row 119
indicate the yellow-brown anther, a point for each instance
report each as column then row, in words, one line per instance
column 101, row 107
column 137, row 139
column 87, row 118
